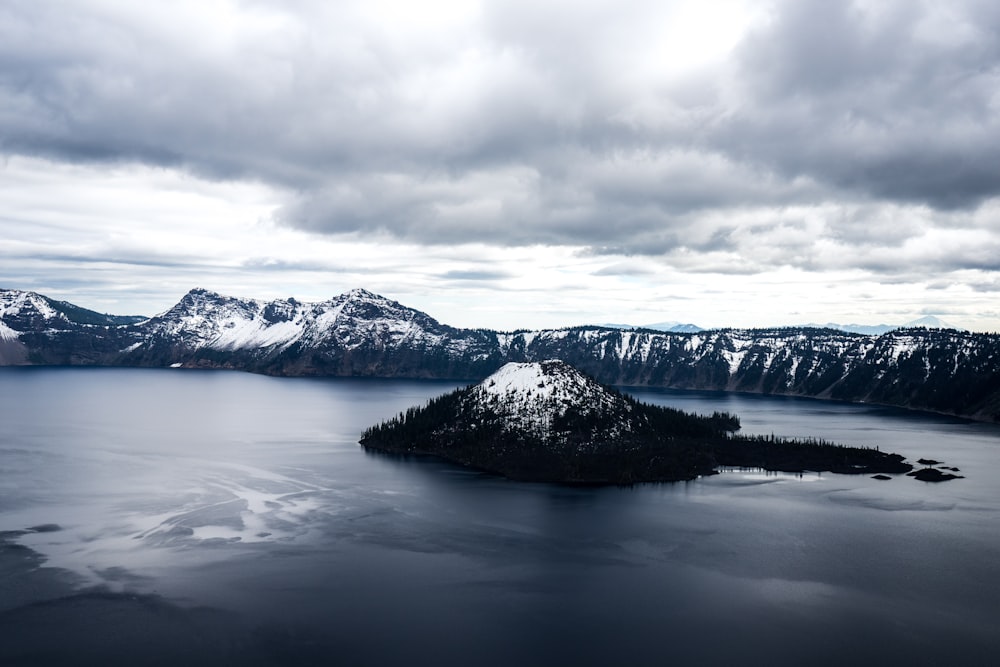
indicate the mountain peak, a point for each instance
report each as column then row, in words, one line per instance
column 362, row 293
column 551, row 378
column 516, row 376
column 29, row 311
column 534, row 394
column 667, row 327
column 930, row 322
column 198, row 294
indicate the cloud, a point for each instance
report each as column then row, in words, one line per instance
column 628, row 268
column 723, row 137
column 476, row 274
column 888, row 100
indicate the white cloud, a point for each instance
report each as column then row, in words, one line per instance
column 726, row 157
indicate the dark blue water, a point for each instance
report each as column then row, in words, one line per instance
column 153, row 517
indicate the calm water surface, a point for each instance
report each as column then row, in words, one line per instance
column 153, row 517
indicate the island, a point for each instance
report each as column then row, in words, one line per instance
column 548, row 422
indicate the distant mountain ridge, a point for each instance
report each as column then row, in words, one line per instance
column 675, row 327
column 928, row 321
column 363, row 334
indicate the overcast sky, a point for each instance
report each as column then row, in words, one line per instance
column 509, row 164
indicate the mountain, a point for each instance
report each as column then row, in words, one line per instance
column 29, row 322
column 928, row 321
column 363, row 334
column 931, row 322
column 676, row 327
column 866, row 329
column 355, row 334
column 940, row 370
column 32, row 311
column 546, row 421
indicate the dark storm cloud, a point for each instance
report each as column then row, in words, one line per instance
column 530, row 124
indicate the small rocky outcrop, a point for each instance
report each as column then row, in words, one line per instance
column 933, row 475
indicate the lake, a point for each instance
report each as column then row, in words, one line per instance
column 173, row 516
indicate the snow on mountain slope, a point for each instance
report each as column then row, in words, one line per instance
column 207, row 319
column 30, row 311
column 534, row 394
column 6, row 333
column 549, row 403
column 24, row 311
column 204, row 319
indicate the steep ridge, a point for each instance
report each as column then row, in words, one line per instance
column 363, row 334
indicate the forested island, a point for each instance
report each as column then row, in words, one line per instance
column 548, row 422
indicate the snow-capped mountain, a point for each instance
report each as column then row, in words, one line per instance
column 535, row 395
column 30, row 311
column 204, row 319
column 33, row 325
column 675, row 327
column 363, row 334
column 356, row 333
column 931, row 322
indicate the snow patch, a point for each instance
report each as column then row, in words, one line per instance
column 533, row 395
column 6, row 333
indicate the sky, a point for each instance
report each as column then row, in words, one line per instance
column 509, row 164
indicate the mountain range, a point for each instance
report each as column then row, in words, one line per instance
column 677, row 327
column 928, row 321
column 363, row 334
